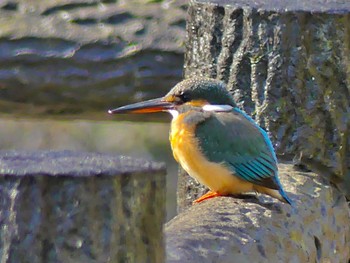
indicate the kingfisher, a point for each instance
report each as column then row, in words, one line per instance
column 214, row 141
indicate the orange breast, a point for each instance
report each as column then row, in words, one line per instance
column 186, row 151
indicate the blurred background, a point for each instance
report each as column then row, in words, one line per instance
column 64, row 63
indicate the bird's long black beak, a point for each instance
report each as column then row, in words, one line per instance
column 155, row 105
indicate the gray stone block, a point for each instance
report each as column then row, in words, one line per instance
column 63, row 206
column 227, row 229
column 81, row 57
column 286, row 63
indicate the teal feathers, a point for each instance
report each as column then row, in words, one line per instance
column 233, row 139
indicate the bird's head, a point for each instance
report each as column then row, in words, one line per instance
column 208, row 94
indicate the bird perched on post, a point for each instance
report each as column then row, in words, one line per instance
column 214, row 141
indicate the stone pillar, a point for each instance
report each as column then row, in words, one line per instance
column 227, row 229
column 62, row 206
column 287, row 64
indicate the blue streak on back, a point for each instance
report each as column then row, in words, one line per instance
column 263, row 132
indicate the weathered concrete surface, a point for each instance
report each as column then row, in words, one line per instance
column 287, row 64
column 227, row 229
column 78, row 57
column 80, row 207
column 329, row 6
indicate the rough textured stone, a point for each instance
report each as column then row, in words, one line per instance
column 287, row 65
column 329, row 6
column 227, row 229
column 79, row 57
column 80, row 207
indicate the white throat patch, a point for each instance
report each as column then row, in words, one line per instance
column 217, row 108
column 174, row 113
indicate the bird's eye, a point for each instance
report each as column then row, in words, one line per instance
column 184, row 97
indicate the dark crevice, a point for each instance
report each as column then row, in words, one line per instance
column 141, row 31
column 318, row 249
column 289, row 40
column 330, row 134
column 180, row 23
column 244, row 83
column 67, row 7
column 237, row 20
column 47, row 213
column 85, row 21
column 10, row 6
column 184, row 6
column 216, row 40
column 261, row 250
column 118, row 18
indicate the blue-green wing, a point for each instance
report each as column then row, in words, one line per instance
column 233, row 139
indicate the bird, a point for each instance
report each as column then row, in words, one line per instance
column 214, row 141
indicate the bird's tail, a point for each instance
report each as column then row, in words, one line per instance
column 278, row 194
column 285, row 197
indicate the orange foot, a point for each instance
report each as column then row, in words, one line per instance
column 206, row 196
